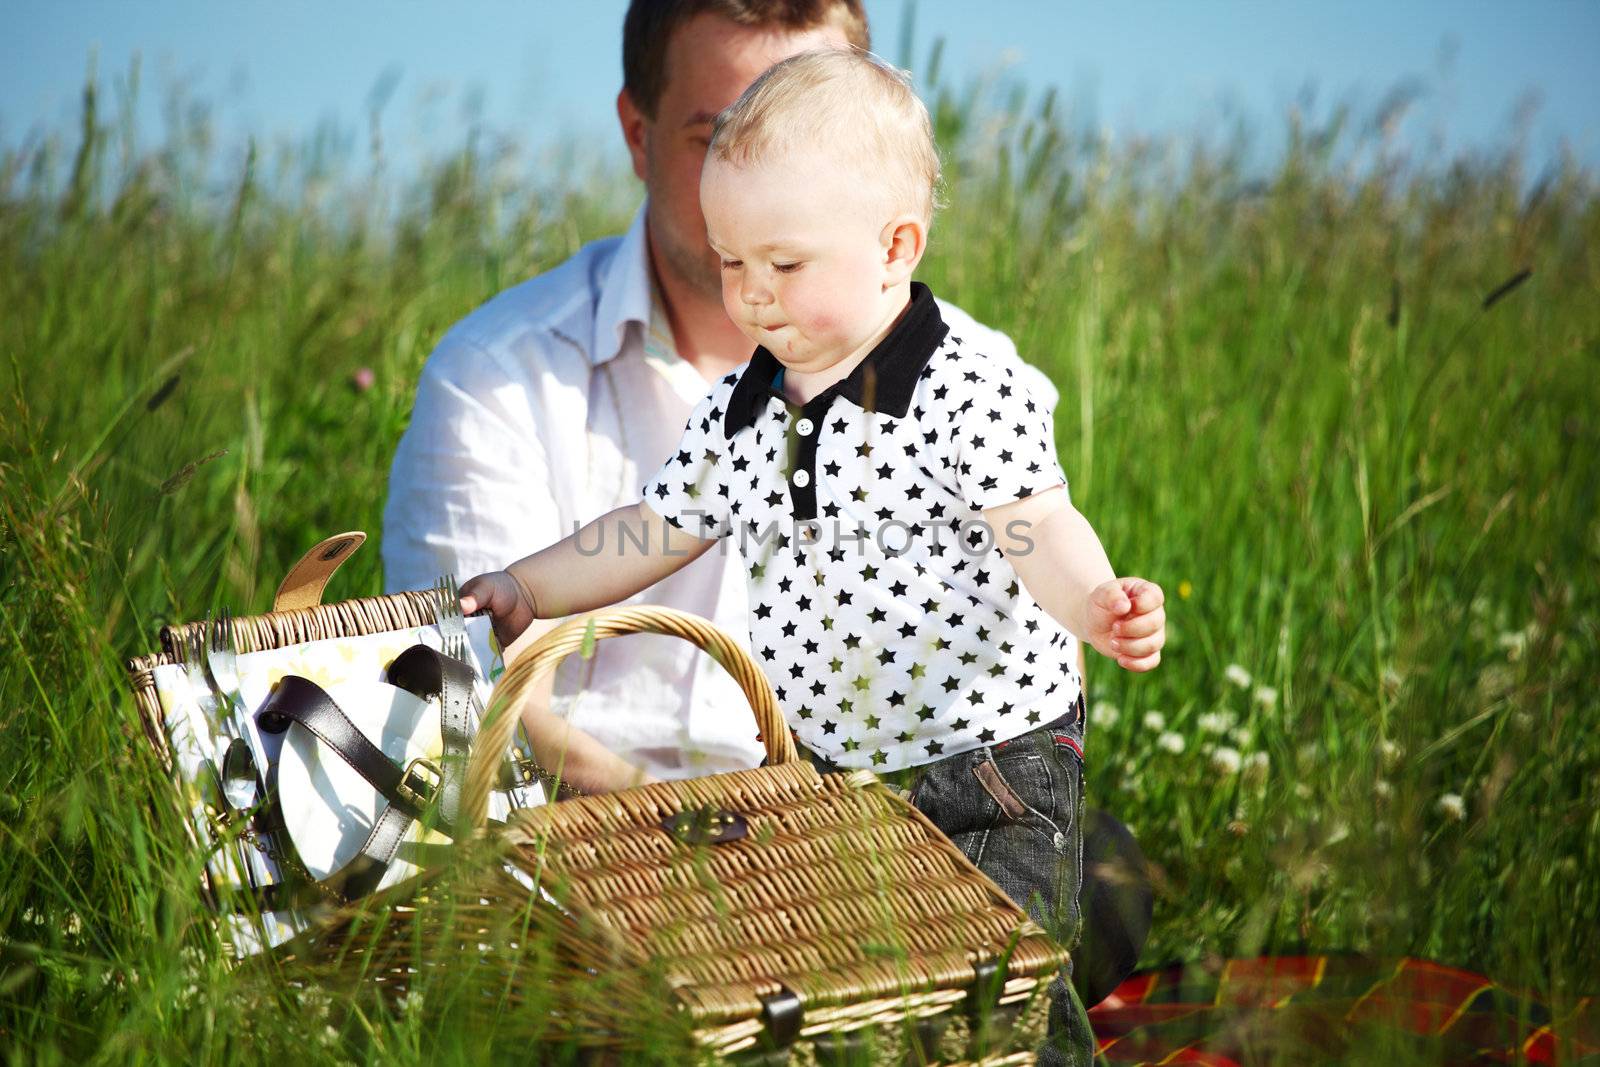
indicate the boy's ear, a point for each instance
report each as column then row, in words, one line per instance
column 904, row 240
column 633, row 124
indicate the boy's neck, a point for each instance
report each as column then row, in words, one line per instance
column 803, row 388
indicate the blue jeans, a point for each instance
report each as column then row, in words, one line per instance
column 1015, row 809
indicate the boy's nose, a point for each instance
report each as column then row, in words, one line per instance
column 754, row 291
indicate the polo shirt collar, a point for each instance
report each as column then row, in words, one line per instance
column 625, row 294
column 884, row 382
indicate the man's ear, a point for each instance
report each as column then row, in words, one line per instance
column 904, row 240
column 634, row 130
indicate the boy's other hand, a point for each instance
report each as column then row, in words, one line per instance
column 509, row 606
column 1127, row 622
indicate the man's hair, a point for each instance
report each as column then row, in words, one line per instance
column 849, row 103
column 649, row 26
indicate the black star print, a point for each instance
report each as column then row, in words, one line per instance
column 829, row 727
column 789, row 629
column 959, row 725
column 924, row 713
column 839, row 426
column 763, row 612
column 935, row 748
column 804, row 603
column 818, row 689
column 907, row 630
column 877, row 615
column 885, row 656
column 879, row 758
column 985, row 735
column 810, row 647
column 951, row 684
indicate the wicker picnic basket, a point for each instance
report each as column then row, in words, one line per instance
column 770, row 915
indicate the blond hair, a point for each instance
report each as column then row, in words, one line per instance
column 846, row 101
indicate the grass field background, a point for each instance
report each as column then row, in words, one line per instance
column 1303, row 398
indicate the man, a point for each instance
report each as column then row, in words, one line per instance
column 551, row 404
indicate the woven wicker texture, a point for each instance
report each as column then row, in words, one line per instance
column 838, row 892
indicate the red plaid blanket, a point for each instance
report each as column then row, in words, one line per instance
column 1315, row 1009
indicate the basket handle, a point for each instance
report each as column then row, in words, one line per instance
column 544, row 655
column 302, row 586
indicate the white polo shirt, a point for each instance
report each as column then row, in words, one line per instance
column 540, row 411
column 893, row 631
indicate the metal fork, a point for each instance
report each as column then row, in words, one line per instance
column 238, row 762
column 452, row 626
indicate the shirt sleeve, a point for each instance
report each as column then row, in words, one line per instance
column 1005, row 440
column 470, row 487
column 691, row 488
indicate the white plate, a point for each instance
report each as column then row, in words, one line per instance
column 328, row 808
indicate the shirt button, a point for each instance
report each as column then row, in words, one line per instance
column 804, row 427
column 802, row 479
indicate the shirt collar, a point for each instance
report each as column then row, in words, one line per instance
column 625, row 293
column 885, row 381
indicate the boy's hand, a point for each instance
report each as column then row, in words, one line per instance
column 1128, row 623
column 502, row 596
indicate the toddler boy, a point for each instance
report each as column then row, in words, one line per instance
column 916, row 570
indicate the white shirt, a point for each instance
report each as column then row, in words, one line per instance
column 891, row 627
column 542, row 410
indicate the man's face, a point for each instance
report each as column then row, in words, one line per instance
column 800, row 239
column 710, row 61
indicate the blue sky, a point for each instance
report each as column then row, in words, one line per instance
column 547, row 71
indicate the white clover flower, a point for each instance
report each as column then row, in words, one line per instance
column 1226, row 761
column 1382, row 789
column 1237, row 675
column 1255, row 766
column 1266, row 696
column 1339, row 832
column 1154, row 720
column 1104, row 714
column 1452, row 807
column 1171, row 742
column 1390, row 751
column 1302, row 790
column 1514, row 642
column 1242, row 736
column 1217, row 722
column 1391, row 678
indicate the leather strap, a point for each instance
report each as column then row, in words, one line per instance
column 428, row 673
column 361, row 875
column 297, row 699
column 302, row 586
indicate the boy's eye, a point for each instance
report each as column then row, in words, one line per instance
column 732, row 264
column 786, row 268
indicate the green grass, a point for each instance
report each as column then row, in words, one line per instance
column 1284, row 396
